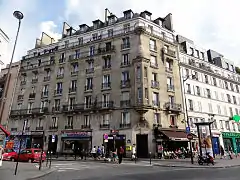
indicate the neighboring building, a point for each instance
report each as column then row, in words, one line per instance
column 212, row 92
column 118, row 77
column 7, row 103
column 4, row 41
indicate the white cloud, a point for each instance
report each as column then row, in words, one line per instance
column 49, row 27
column 211, row 24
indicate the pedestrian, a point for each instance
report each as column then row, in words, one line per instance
column 222, row 152
column 160, row 151
column 1, row 155
column 103, row 151
column 94, row 152
column 120, row 156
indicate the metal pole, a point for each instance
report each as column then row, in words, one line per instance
column 19, row 150
column 150, row 158
column 5, row 88
column 210, row 132
column 199, row 139
column 47, row 158
column 50, row 164
column 187, row 119
column 40, row 163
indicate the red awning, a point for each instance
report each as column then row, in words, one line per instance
column 4, row 130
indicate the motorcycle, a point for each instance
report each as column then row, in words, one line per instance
column 208, row 159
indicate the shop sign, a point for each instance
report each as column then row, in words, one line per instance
column 230, row 135
column 19, row 133
column 76, row 134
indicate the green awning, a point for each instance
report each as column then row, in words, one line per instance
column 236, row 118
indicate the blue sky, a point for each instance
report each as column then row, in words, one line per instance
column 211, row 24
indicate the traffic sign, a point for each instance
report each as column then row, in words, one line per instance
column 190, row 137
column 188, row 130
column 105, row 136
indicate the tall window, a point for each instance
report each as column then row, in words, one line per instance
column 155, row 97
column 125, row 76
column 40, row 122
column 190, row 104
column 152, row 45
column 88, row 101
column 57, row 104
column 153, row 61
column 105, row 119
column 70, row 121
column 54, row 122
column 173, row 120
column 125, row 118
column 86, row 120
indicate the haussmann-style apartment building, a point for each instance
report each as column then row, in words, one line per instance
column 119, row 77
column 212, row 93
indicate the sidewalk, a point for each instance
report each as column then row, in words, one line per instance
column 26, row 171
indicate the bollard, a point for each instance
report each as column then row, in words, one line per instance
column 135, row 157
column 150, row 154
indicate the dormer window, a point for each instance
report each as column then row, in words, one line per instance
column 97, row 24
column 128, row 14
column 112, row 19
column 147, row 15
column 83, row 27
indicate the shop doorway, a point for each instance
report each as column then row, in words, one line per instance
column 52, row 146
column 215, row 142
column 228, row 144
column 142, row 145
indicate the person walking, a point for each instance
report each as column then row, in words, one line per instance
column 1, row 155
column 120, row 156
column 222, row 152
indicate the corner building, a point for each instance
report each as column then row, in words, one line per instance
column 118, row 77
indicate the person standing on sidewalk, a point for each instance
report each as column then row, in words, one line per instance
column 120, row 156
column 1, row 155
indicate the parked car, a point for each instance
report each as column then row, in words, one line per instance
column 9, row 155
column 31, row 155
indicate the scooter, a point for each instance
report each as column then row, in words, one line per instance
column 208, row 159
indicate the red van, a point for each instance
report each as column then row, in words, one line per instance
column 9, row 155
column 31, row 155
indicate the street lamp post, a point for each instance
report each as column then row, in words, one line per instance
column 18, row 15
column 186, row 116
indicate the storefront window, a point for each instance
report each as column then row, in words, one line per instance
column 68, row 145
column 227, row 125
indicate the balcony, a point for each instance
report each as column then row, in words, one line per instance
column 170, row 88
column 174, row 107
column 152, row 47
column 106, row 85
column 153, row 65
column 67, row 108
column 125, row 63
column 107, row 49
column 106, row 67
column 125, row 46
column 32, row 95
column 156, row 103
column 40, row 128
column 155, row 84
column 20, row 97
column 73, row 90
column 56, row 109
column 74, row 73
column 169, row 69
column 69, row 127
column 169, row 52
column 42, row 110
column 53, row 128
column 35, row 80
column 29, row 112
column 61, row 60
column 89, row 70
column 23, row 83
column 13, row 129
column 104, row 126
column 86, row 126
column 125, row 103
column 89, row 87
column 46, row 78
column 58, row 92
column 103, row 105
column 73, row 108
column 60, row 76
column 45, row 94
column 125, row 83
column 125, row 125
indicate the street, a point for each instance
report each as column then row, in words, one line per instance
column 130, row 171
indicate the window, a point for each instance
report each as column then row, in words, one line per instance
column 54, row 122
column 173, row 120
column 199, row 106
column 139, row 93
column 107, row 62
column 125, row 76
column 74, row 67
column 125, row 118
column 155, row 97
column 233, row 125
column 106, row 100
column 105, row 119
column 19, row 106
column 214, row 124
column 210, row 109
column 221, row 124
column 214, row 81
column 125, row 59
column 71, row 102
column 80, row 40
column 219, row 109
column 226, row 84
column 146, row 93
column 169, row 65
column 128, row 15
column 206, row 79
column 89, row 83
column 110, row 32
column 73, row 86
column 208, row 93
column 60, row 71
column 95, row 36
column 138, row 72
column 188, row 88
column 57, row 104
column 91, row 50
column 40, row 122
column 126, row 28
column 228, row 98
column 190, row 104
column 126, row 43
column 187, row 72
column 153, row 61
column 86, row 120
column 145, row 72
column 30, row 107
column 170, row 83
column 191, row 122
column 43, row 104
column 225, row 111
column 236, row 111
column 202, row 55
column 156, row 118
column 152, row 45
column 198, row 90
column 227, row 125
column 191, row 51
column 231, row 86
column 70, row 121
column 237, row 88
column 216, row 95
column 234, row 100
column 106, row 79
column 231, row 111
column 88, row 101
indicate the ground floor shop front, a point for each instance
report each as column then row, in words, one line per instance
column 231, row 141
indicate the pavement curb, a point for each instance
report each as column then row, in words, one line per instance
column 198, row 167
column 42, row 175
